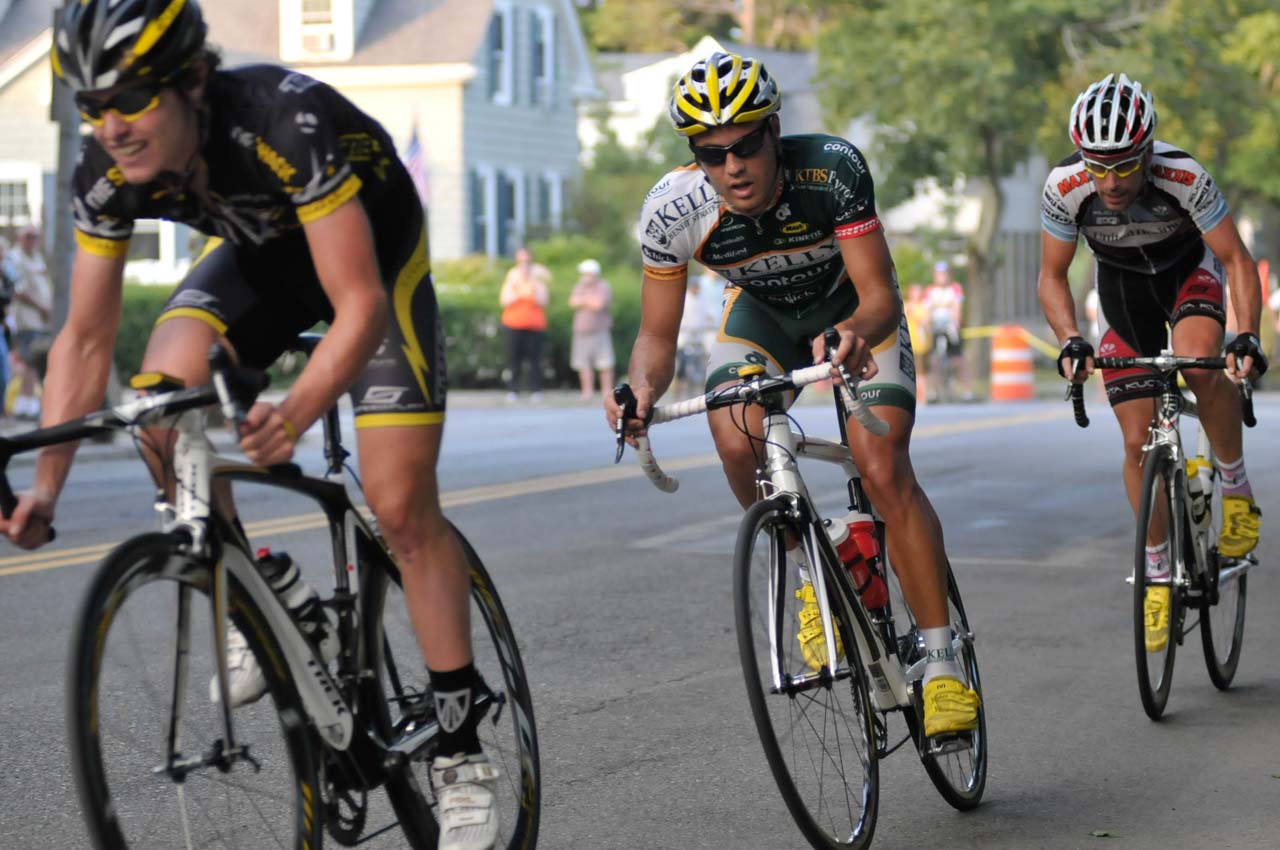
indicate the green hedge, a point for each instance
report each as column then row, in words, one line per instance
column 467, row 290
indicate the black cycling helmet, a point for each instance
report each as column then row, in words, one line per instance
column 98, row 44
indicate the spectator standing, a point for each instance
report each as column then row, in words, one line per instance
column 592, row 346
column 945, row 299
column 917, row 311
column 524, row 299
column 8, row 282
column 698, row 325
column 29, row 316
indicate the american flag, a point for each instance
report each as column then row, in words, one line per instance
column 414, row 163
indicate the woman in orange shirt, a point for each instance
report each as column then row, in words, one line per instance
column 524, row 300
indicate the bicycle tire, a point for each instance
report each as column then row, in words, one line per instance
column 138, row 575
column 1222, row 611
column 1155, row 669
column 849, row 820
column 401, row 696
column 961, row 777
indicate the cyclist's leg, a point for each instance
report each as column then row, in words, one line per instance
column 1198, row 320
column 750, row 333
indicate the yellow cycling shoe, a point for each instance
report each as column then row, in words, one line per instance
column 813, row 642
column 949, row 707
column 1240, row 521
column 1155, row 609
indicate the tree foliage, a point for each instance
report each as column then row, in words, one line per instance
column 650, row 26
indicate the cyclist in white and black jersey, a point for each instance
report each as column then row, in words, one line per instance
column 1165, row 245
column 790, row 223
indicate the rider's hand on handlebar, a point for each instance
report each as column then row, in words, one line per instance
column 1245, row 358
column 634, row 427
column 853, row 351
column 1075, row 360
column 267, row 437
column 30, row 522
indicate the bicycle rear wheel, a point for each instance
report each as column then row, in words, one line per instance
column 1222, row 607
column 818, row 734
column 402, row 703
column 959, row 767
column 1155, row 522
column 147, row 742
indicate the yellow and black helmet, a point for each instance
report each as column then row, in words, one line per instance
column 98, row 44
column 723, row 89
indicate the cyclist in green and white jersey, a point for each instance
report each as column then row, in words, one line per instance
column 790, row 223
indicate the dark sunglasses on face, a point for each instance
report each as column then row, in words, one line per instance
column 130, row 104
column 1124, row 168
column 746, row 147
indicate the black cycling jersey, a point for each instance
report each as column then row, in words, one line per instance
column 283, row 149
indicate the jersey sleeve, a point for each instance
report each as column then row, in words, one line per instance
column 300, row 149
column 853, row 191
column 102, row 226
column 1195, row 189
column 666, row 255
column 1056, row 216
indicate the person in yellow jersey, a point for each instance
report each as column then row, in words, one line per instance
column 314, row 218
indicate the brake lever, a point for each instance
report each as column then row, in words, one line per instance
column 626, row 400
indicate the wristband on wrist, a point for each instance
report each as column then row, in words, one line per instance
column 289, row 431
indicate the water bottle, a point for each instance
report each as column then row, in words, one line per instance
column 854, row 537
column 1200, row 474
column 297, row 596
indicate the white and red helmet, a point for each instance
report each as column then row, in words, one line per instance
column 1113, row 117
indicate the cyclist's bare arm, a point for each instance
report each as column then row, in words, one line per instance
column 1242, row 279
column 1055, row 291
column 653, row 356
column 870, row 267
column 342, row 248
column 76, row 379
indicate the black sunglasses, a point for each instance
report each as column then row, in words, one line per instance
column 130, row 104
column 746, row 147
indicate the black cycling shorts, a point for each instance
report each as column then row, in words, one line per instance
column 1136, row 310
column 261, row 297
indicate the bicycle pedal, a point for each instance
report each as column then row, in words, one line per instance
column 943, row 745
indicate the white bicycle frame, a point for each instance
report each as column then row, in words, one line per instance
column 890, row 683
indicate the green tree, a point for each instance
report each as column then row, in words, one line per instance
column 651, row 26
column 954, row 87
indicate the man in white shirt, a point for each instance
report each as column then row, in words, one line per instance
column 29, row 316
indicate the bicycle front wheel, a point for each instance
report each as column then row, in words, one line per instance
column 1157, row 604
column 817, row 733
column 1222, row 607
column 403, row 703
column 958, row 768
column 148, row 744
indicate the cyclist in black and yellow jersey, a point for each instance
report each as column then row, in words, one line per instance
column 313, row 218
column 790, row 223
column 1167, row 249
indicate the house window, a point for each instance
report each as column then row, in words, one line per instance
column 501, row 54
column 550, row 199
column 317, row 26
column 14, row 207
column 542, row 56
column 484, row 234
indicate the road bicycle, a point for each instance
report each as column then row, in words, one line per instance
column 1180, row 497
column 824, row 731
column 158, row 763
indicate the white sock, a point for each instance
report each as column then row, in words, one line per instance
column 1158, row 561
column 1235, row 481
column 942, row 658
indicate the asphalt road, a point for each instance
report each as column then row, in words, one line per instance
column 620, row 596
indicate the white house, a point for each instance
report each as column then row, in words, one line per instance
column 491, row 87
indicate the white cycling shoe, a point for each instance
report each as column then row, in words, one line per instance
column 246, row 683
column 463, row 785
